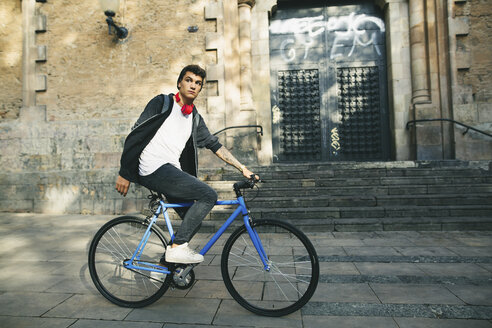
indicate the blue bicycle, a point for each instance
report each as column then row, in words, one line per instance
column 268, row 266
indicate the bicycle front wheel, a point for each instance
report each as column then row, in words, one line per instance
column 115, row 243
column 287, row 285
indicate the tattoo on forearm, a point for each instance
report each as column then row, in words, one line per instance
column 227, row 157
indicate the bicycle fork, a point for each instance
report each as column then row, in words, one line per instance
column 254, row 236
column 259, row 246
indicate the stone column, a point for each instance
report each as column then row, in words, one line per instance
column 428, row 138
column 399, row 75
column 418, row 47
column 261, row 76
column 245, row 7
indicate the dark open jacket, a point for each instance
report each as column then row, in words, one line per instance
column 151, row 119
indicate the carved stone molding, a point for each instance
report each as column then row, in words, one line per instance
column 250, row 3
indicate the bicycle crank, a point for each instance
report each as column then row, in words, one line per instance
column 183, row 277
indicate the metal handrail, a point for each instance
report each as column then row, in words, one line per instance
column 448, row 120
column 242, row 126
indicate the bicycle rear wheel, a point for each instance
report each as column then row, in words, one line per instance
column 116, row 242
column 293, row 275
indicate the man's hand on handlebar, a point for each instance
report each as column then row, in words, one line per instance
column 250, row 175
column 255, row 178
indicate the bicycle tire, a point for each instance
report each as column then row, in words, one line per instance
column 294, row 273
column 115, row 242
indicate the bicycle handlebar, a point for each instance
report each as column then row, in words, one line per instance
column 246, row 184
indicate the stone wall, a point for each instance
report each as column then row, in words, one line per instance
column 472, row 97
column 92, row 76
column 10, row 59
column 62, row 153
column 64, row 117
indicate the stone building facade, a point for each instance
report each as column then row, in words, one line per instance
column 71, row 92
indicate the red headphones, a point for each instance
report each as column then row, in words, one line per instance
column 186, row 109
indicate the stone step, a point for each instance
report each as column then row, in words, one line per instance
column 364, row 169
column 419, row 176
column 406, row 192
column 221, row 213
column 372, row 200
column 355, row 181
column 369, row 224
column 349, row 182
column 375, row 195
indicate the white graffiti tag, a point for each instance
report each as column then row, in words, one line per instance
column 354, row 30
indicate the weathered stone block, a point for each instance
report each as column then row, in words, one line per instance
column 462, row 94
column 484, row 112
column 213, row 41
column 40, row 23
column 426, row 112
column 41, row 83
column 41, row 54
column 86, row 205
column 215, row 73
column 104, row 207
column 461, row 25
column 213, row 10
column 32, row 114
column 463, row 59
column 214, row 104
column 429, row 134
column 107, row 160
column 466, row 113
column 126, row 205
column 25, row 205
column 429, row 152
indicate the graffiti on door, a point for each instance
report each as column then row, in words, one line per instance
column 354, row 30
column 335, row 141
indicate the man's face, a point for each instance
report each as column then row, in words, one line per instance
column 190, row 86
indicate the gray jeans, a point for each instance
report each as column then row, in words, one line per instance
column 180, row 187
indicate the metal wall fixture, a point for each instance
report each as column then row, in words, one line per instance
column 110, row 8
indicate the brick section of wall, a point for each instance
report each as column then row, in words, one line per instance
column 473, row 97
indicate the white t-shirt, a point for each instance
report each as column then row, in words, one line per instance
column 168, row 143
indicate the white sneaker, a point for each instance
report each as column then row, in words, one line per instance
column 182, row 254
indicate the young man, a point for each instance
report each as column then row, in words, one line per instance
column 161, row 154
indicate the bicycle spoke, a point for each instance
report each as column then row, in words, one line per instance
column 291, row 279
column 116, row 242
column 280, row 288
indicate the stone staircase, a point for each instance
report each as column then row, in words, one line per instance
column 349, row 196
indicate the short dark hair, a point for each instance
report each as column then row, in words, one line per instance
column 195, row 69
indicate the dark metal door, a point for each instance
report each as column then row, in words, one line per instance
column 328, row 82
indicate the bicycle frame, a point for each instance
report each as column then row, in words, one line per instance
column 134, row 262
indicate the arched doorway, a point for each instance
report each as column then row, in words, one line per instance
column 328, row 82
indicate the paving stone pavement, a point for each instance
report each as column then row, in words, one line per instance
column 378, row 279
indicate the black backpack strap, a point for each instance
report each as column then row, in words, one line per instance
column 149, row 112
column 165, row 105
